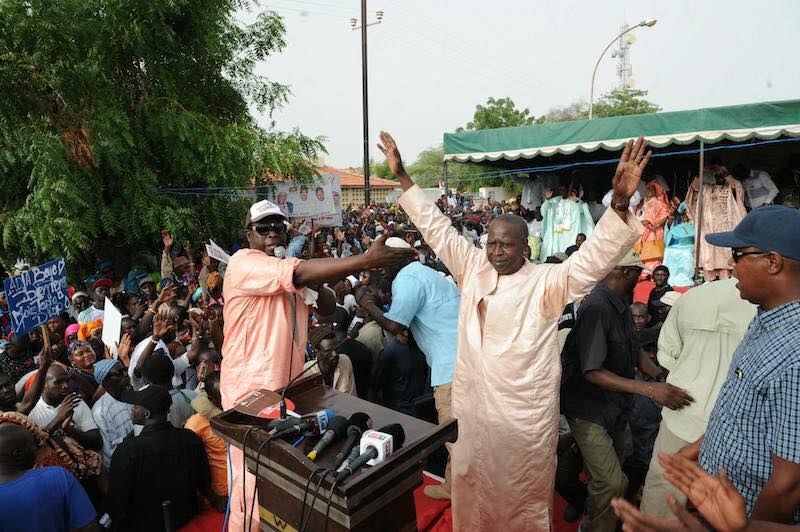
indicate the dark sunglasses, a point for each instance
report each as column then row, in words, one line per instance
column 737, row 254
column 264, row 229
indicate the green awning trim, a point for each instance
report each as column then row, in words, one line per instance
column 768, row 120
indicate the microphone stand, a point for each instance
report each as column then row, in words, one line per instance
column 294, row 379
column 288, row 384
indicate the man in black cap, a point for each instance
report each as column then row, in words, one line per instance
column 752, row 432
column 161, row 464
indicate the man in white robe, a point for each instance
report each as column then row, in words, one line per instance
column 505, row 390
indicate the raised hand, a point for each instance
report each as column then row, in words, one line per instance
column 167, row 293
column 338, row 234
column 629, row 170
column 45, row 356
column 388, row 147
column 716, row 498
column 124, row 350
column 141, row 308
column 161, row 327
column 167, row 239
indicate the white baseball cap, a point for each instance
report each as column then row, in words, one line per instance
column 394, row 242
column 262, row 209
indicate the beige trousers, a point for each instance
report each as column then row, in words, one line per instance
column 444, row 409
column 656, row 488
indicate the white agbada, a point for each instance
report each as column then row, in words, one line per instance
column 508, row 369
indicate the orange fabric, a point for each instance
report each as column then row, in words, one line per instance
column 655, row 210
column 258, row 351
column 216, row 450
column 86, row 329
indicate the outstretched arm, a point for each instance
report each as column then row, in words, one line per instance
column 454, row 250
column 615, row 234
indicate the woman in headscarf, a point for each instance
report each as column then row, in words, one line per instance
column 655, row 211
column 82, row 358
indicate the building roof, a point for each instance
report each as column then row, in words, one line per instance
column 737, row 123
column 349, row 179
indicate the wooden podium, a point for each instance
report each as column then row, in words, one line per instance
column 378, row 498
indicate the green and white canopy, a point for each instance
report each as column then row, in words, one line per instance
column 737, row 123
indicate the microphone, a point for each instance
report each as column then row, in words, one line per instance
column 288, row 384
column 352, row 456
column 294, row 379
column 358, row 423
column 311, row 424
column 336, row 429
column 376, row 446
column 280, row 252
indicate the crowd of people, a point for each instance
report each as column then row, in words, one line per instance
column 516, row 318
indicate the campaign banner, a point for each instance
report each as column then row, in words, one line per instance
column 36, row 295
column 304, row 200
column 331, row 182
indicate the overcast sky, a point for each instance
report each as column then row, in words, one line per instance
column 431, row 62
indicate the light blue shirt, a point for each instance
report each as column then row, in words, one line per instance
column 427, row 303
column 295, row 247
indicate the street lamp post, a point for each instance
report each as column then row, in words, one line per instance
column 642, row 24
column 364, row 102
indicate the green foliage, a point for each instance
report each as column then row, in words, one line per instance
column 624, row 102
column 498, row 112
column 107, row 103
column 427, row 170
column 574, row 111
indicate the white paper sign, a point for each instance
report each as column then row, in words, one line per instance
column 216, row 252
column 112, row 326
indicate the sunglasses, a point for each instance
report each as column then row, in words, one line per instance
column 264, row 229
column 737, row 254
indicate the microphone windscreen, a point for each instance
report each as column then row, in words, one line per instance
column 397, row 433
column 339, row 426
column 360, row 420
column 280, row 252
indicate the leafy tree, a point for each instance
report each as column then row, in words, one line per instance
column 427, row 170
column 614, row 103
column 624, row 102
column 106, row 104
column 574, row 111
column 498, row 112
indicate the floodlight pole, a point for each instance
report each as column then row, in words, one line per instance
column 642, row 24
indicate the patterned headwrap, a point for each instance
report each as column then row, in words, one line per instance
column 77, row 344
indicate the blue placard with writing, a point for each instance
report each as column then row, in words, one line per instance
column 37, row 295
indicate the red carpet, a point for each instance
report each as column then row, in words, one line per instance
column 435, row 516
column 432, row 515
column 643, row 289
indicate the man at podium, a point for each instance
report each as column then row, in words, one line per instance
column 266, row 317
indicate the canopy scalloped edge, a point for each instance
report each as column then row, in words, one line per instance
column 657, row 141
